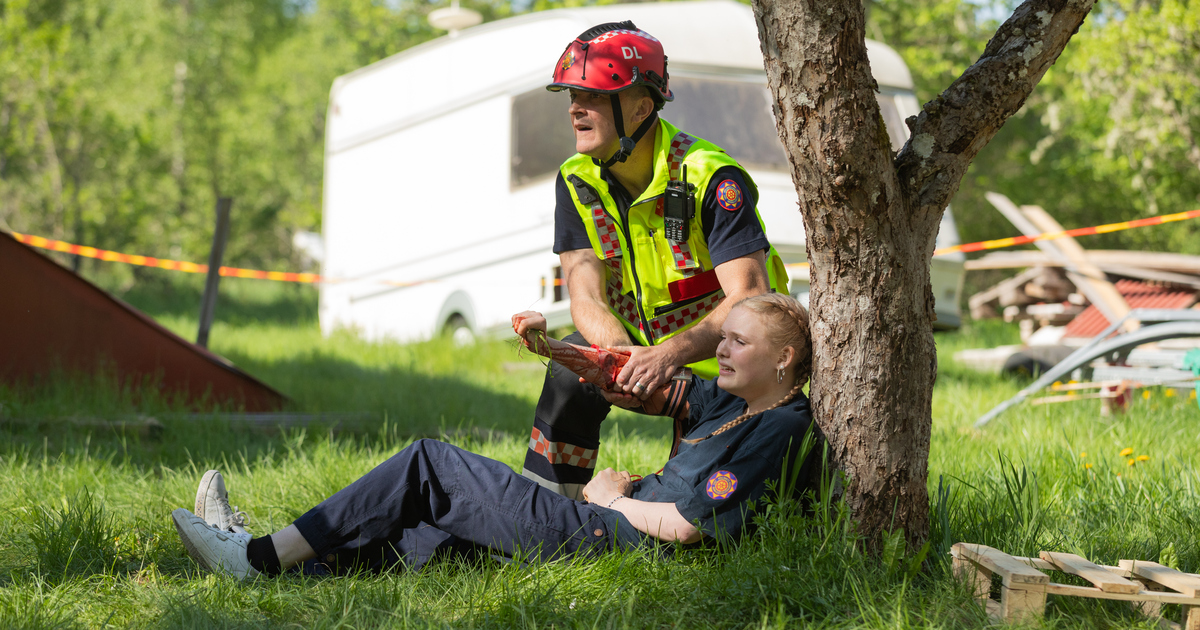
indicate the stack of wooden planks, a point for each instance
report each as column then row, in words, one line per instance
column 1061, row 277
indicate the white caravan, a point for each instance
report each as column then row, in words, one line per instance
column 440, row 164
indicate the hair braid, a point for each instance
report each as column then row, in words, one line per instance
column 804, row 363
column 746, row 416
column 787, row 325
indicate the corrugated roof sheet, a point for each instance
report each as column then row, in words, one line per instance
column 55, row 320
column 1092, row 322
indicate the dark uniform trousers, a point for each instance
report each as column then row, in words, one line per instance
column 434, row 499
column 566, row 431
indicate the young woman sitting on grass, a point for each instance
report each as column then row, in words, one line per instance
column 433, row 497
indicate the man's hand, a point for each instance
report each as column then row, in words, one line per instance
column 740, row 278
column 648, row 369
column 528, row 321
column 607, row 485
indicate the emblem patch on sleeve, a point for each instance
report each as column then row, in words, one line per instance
column 721, row 484
column 729, row 195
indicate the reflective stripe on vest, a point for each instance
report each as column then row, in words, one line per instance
column 621, row 302
column 610, row 245
column 680, row 144
column 670, row 322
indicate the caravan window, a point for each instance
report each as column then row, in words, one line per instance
column 736, row 116
column 732, row 114
column 541, row 134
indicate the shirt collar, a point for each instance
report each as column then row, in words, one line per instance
column 662, row 173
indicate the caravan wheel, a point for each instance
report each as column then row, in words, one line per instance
column 458, row 330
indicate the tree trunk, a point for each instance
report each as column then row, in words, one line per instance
column 872, row 218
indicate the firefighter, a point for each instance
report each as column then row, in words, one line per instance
column 658, row 235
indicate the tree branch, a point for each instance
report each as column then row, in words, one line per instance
column 955, row 126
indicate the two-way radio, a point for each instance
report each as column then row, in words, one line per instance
column 679, row 206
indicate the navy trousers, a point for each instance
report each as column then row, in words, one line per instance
column 433, row 498
column 566, row 431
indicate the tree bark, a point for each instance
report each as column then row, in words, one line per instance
column 872, row 218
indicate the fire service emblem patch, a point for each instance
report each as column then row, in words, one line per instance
column 721, row 484
column 729, row 195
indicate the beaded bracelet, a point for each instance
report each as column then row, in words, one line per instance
column 615, row 499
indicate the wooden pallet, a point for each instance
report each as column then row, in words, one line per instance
column 1023, row 586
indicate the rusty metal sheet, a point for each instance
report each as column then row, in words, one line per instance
column 1137, row 294
column 51, row 318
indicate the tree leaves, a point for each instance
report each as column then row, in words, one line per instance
column 1107, row 135
column 122, row 121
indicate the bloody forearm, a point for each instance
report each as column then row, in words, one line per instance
column 600, row 367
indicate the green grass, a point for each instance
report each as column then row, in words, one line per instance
column 86, row 540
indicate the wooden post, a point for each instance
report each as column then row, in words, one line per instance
column 1017, row 605
column 208, row 303
column 1190, row 618
column 978, row 578
column 77, row 260
column 1150, row 608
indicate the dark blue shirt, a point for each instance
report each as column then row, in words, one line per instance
column 717, row 481
column 729, row 233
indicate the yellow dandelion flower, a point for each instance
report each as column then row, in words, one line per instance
column 1087, row 465
column 1131, row 462
column 1145, row 394
column 1083, row 454
column 1143, row 458
column 1170, row 393
column 1192, row 395
column 1126, row 452
column 1056, row 385
column 1072, row 382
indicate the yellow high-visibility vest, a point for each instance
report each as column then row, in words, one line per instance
column 656, row 287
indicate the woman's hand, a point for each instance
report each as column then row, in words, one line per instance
column 525, row 323
column 660, row 520
column 619, row 399
column 606, row 486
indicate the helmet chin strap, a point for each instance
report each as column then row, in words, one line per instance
column 626, row 143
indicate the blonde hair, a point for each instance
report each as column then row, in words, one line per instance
column 787, row 325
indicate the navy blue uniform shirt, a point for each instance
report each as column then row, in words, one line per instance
column 729, row 233
column 716, row 481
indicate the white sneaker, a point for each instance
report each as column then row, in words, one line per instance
column 212, row 504
column 219, row 551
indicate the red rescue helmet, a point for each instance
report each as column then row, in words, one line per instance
column 619, row 56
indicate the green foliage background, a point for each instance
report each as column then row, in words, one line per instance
column 1110, row 133
column 121, row 121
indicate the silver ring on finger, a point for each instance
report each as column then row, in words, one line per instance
column 638, row 385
